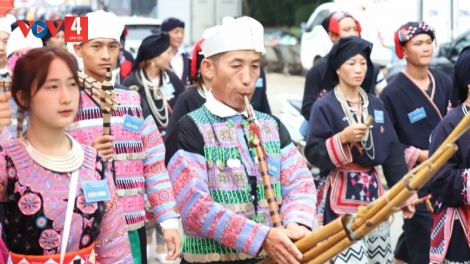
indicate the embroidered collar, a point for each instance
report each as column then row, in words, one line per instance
column 219, row 109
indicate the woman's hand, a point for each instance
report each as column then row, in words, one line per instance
column 352, row 133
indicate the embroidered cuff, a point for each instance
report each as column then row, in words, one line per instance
column 411, row 156
column 412, row 199
column 5, row 135
column 171, row 223
column 339, row 154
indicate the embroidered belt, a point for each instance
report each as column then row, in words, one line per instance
column 83, row 256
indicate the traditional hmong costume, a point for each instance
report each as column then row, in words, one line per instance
column 158, row 96
column 17, row 45
column 450, row 242
column 348, row 179
column 138, row 152
column 214, row 174
column 209, row 160
column 414, row 114
column 35, row 195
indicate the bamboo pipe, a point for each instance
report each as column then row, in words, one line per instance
column 260, row 152
column 106, row 97
column 373, row 208
column 384, row 213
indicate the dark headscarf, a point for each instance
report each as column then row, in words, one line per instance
column 342, row 51
column 461, row 77
column 406, row 32
column 331, row 22
column 171, row 23
column 151, row 47
column 48, row 33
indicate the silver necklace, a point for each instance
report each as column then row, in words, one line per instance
column 349, row 117
column 162, row 119
column 70, row 162
column 464, row 108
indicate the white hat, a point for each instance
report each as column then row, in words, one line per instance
column 18, row 42
column 5, row 25
column 103, row 24
column 243, row 33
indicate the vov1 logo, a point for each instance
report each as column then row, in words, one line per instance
column 75, row 28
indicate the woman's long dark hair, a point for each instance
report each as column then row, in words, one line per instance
column 31, row 72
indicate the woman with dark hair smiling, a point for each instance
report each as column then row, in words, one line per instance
column 49, row 182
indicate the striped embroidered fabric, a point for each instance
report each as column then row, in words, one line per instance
column 138, row 157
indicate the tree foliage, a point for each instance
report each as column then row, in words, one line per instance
column 281, row 13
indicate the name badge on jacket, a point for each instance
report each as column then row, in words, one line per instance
column 133, row 124
column 379, row 116
column 96, row 191
column 417, row 115
column 274, row 166
column 259, row 83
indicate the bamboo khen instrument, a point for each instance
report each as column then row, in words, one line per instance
column 335, row 237
column 263, row 165
column 93, row 88
column 107, row 97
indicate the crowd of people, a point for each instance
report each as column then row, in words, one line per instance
column 182, row 143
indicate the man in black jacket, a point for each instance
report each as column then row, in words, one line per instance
column 337, row 25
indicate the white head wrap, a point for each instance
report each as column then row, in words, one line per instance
column 18, row 42
column 105, row 25
column 243, row 33
column 5, row 25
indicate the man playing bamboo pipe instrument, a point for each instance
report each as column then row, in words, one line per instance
column 138, row 152
column 213, row 170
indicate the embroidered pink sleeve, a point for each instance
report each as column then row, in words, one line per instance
column 112, row 244
column 340, row 154
column 411, row 156
column 157, row 181
column 5, row 135
column 3, row 175
column 298, row 190
column 202, row 216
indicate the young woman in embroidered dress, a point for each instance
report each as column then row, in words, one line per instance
column 450, row 220
column 60, row 201
column 346, row 150
column 158, row 87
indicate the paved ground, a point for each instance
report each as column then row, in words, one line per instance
column 278, row 83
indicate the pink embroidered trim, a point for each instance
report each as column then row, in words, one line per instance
column 339, row 154
column 411, row 156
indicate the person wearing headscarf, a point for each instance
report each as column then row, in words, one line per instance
column 213, row 169
column 416, row 100
column 125, row 59
column 157, row 86
column 346, row 151
column 338, row 25
column 135, row 149
column 180, row 61
column 449, row 186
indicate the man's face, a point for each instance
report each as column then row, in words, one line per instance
column 176, row 37
column 234, row 76
column 347, row 27
column 3, row 45
column 419, row 50
column 98, row 54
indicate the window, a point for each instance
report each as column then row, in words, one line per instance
column 318, row 19
column 462, row 43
